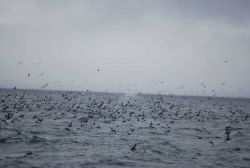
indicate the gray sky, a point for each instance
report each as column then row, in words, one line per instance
column 193, row 47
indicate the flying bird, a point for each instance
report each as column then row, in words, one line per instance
column 203, row 85
column 44, row 86
column 20, row 63
column 180, row 87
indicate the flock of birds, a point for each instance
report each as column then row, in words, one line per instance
column 203, row 84
column 118, row 114
column 83, row 108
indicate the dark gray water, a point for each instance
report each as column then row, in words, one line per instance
column 70, row 129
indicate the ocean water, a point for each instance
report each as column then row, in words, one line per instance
column 74, row 129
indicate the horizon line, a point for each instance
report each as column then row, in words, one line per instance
column 143, row 93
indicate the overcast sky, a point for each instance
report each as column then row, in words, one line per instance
column 190, row 47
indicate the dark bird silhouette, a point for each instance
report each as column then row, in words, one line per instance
column 44, row 86
column 28, row 153
column 133, row 147
column 19, row 131
column 67, row 129
column 151, row 125
column 113, row 130
column 211, row 142
column 70, row 124
column 228, row 130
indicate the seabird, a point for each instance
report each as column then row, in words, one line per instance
column 133, row 148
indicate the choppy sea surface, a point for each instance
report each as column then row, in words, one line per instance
column 74, row 129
